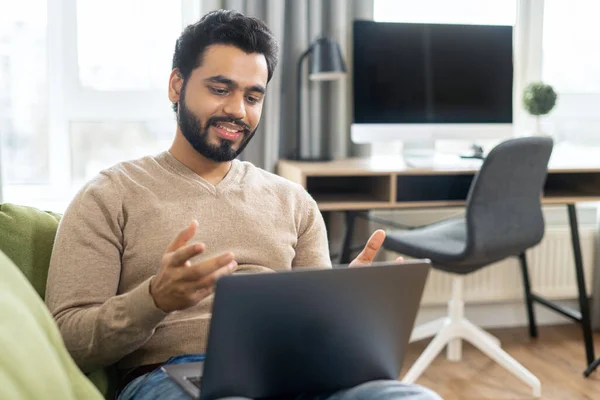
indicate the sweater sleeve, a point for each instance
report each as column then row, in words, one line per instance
column 312, row 248
column 98, row 326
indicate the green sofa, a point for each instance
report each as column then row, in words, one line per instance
column 27, row 329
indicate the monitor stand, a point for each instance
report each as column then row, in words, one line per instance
column 423, row 150
column 423, row 154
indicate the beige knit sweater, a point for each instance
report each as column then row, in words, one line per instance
column 114, row 233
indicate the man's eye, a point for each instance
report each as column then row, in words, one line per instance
column 252, row 99
column 218, row 91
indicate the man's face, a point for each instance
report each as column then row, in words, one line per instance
column 221, row 102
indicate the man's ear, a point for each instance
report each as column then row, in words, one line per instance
column 175, row 85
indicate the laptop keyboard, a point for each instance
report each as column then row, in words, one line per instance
column 194, row 380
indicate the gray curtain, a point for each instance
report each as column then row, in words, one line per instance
column 327, row 112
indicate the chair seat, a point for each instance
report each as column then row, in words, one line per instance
column 444, row 243
column 440, row 241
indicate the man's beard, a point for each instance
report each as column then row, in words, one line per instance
column 197, row 135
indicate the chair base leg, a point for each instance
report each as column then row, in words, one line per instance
column 463, row 329
column 428, row 329
column 454, row 350
column 432, row 328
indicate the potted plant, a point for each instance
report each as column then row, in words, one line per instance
column 539, row 99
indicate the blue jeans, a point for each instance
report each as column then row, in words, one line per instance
column 157, row 385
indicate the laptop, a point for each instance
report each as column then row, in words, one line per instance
column 306, row 331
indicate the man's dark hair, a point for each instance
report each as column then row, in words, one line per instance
column 223, row 27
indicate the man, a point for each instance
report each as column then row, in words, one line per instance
column 116, row 293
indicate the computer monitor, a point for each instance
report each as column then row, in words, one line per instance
column 421, row 82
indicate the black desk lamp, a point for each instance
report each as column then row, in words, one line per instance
column 326, row 64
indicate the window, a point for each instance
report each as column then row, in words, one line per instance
column 571, row 37
column 480, row 12
column 135, row 53
column 23, row 92
column 98, row 145
column 571, row 64
column 82, row 87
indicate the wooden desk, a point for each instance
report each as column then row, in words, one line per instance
column 387, row 182
column 352, row 185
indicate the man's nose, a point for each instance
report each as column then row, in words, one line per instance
column 235, row 107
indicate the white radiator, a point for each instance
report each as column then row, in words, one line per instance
column 551, row 269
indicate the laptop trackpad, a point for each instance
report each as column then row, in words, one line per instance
column 188, row 376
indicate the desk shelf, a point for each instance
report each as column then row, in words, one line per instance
column 434, row 188
column 572, row 184
column 359, row 192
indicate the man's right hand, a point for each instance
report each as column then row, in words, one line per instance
column 179, row 284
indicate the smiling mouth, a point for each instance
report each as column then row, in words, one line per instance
column 229, row 131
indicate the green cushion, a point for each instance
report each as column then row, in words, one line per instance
column 26, row 237
column 34, row 363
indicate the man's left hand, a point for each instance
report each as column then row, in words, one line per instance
column 367, row 255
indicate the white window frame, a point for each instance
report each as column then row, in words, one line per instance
column 528, row 38
column 69, row 101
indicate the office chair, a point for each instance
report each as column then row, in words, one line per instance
column 503, row 219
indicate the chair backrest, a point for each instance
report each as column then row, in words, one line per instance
column 504, row 211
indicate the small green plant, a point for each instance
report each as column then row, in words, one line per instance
column 539, row 99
